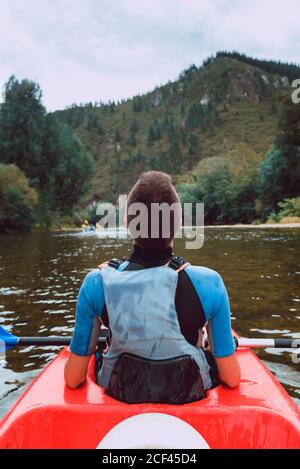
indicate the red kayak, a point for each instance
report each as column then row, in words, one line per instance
column 259, row 414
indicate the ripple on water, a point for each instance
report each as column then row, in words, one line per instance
column 48, row 302
column 6, row 291
column 270, row 331
column 287, row 376
column 56, row 311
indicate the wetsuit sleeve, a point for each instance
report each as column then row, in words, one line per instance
column 219, row 324
column 90, row 303
column 215, row 302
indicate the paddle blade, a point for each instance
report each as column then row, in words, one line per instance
column 7, row 340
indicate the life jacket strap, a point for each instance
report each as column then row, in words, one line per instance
column 177, row 263
column 116, row 262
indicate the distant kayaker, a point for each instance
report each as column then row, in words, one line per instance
column 155, row 305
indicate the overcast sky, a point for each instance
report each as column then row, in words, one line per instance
column 87, row 50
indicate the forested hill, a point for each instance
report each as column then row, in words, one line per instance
column 227, row 131
column 228, row 108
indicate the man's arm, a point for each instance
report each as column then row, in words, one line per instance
column 220, row 338
column 87, row 328
column 229, row 370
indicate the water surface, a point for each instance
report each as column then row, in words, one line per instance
column 40, row 275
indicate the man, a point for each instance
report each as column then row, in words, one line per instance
column 155, row 305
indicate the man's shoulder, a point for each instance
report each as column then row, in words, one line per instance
column 202, row 273
column 92, row 279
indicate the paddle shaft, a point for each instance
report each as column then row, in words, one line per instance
column 264, row 343
column 268, row 343
column 11, row 340
column 241, row 342
column 59, row 341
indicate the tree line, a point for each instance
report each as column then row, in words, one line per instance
column 290, row 70
column 40, row 152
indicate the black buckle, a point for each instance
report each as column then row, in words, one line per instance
column 116, row 262
column 176, row 262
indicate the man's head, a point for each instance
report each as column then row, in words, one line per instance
column 153, row 202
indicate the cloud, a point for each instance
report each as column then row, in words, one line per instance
column 99, row 49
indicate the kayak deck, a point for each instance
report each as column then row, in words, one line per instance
column 258, row 414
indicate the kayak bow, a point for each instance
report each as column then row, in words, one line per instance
column 258, row 414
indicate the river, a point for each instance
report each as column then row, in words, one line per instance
column 40, row 275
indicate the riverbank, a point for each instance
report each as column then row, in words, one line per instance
column 239, row 225
column 260, row 225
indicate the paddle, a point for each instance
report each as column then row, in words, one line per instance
column 11, row 340
column 267, row 343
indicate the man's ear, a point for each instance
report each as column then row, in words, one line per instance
column 125, row 221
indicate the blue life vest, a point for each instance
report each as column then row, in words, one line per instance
column 143, row 319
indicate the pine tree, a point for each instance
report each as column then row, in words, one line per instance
column 117, row 136
column 193, row 146
column 137, row 104
column 131, row 139
column 156, row 130
column 181, row 108
column 133, row 126
column 139, row 157
column 151, row 136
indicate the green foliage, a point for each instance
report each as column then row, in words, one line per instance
column 156, row 130
column 227, row 187
column 193, row 144
column 154, row 133
column 21, row 125
column 288, row 212
column 133, row 126
column 280, row 171
column 92, row 124
column 195, row 116
column 189, row 193
column 117, row 136
column 292, row 71
column 181, row 108
column 17, row 200
column 289, row 208
column 131, row 139
column 51, row 156
column 273, row 218
column 92, row 216
column 272, row 171
column 12, row 176
column 188, row 73
column 15, row 212
column 137, row 105
column 151, row 137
